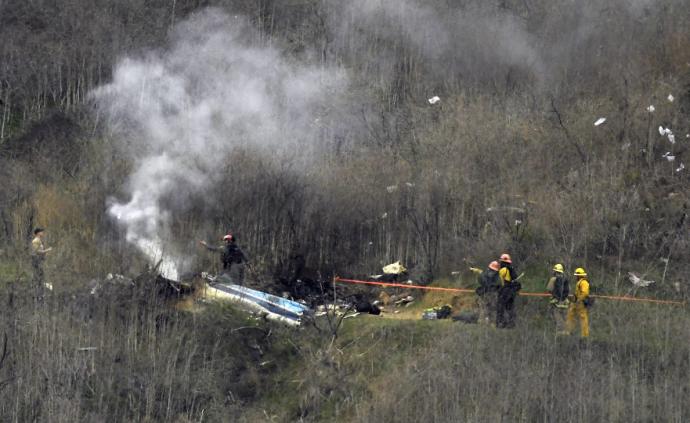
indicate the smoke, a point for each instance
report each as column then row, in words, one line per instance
column 472, row 40
column 492, row 41
column 178, row 113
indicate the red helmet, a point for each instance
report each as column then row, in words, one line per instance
column 494, row 265
column 228, row 237
column 505, row 258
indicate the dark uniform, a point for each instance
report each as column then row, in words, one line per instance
column 505, row 310
column 38, row 256
column 559, row 288
column 487, row 295
column 232, row 258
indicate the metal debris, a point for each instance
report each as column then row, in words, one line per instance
column 638, row 281
column 651, row 109
column 670, row 98
column 435, row 99
column 681, row 167
column 600, row 121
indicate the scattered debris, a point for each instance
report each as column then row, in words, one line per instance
column 441, row 312
column 409, row 184
column 110, row 280
column 49, row 286
column 396, row 268
column 600, row 121
column 681, row 167
column 87, row 349
column 651, row 109
column 391, row 188
column 364, row 306
column 350, row 316
column 670, row 98
column 435, row 99
column 664, row 131
column 270, row 306
column 670, row 158
column 404, row 301
column 467, row 316
column 638, row 281
column 385, row 215
column 671, row 138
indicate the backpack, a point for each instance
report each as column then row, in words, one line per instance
column 561, row 288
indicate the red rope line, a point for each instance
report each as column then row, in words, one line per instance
column 522, row 294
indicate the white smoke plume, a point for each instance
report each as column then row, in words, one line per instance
column 177, row 114
column 471, row 39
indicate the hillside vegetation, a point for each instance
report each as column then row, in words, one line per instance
column 133, row 129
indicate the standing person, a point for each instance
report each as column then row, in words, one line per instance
column 38, row 256
column 505, row 309
column 487, row 293
column 231, row 256
column 559, row 288
column 579, row 305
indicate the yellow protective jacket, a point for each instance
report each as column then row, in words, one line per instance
column 582, row 290
column 504, row 276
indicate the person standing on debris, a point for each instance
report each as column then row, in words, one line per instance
column 38, row 255
column 231, row 256
column 579, row 304
column 487, row 293
column 559, row 288
column 505, row 309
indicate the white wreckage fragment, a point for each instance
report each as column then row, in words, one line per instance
column 670, row 98
column 668, row 156
column 435, row 99
column 671, row 138
column 638, row 281
column 391, row 188
column 681, row 167
column 651, row 109
column 664, row 131
column 600, row 121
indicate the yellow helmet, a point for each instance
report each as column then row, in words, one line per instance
column 558, row 268
column 580, row 272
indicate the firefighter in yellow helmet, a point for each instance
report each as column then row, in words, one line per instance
column 559, row 289
column 579, row 304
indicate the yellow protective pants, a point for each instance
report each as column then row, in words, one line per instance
column 580, row 310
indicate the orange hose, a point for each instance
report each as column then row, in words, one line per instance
column 522, row 294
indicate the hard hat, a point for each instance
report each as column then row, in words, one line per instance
column 494, row 266
column 580, row 272
column 506, row 258
column 228, row 237
column 558, row 268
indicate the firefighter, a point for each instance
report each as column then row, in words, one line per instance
column 38, row 256
column 231, row 257
column 559, row 288
column 509, row 287
column 487, row 293
column 579, row 304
